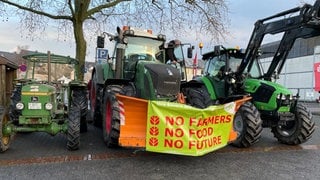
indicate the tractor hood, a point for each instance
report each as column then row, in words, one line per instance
column 266, row 93
column 38, row 89
column 252, row 84
column 156, row 80
column 34, row 97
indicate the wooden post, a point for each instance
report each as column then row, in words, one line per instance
column 2, row 85
column 49, row 67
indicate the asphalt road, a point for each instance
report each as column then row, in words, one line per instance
column 41, row 156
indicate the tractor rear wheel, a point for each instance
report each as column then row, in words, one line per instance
column 111, row 113
column 248, row 124
column 198, row 97
column 73, row 134
column 79, row 98
column 297, row 131
column 95, row 96
column 4, row 139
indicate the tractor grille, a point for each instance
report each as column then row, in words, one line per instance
column 263, row 93
column 165, row 79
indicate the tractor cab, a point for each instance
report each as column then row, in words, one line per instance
column 215, row 63
column 50, row 70
column 220, row 67
column 140, row 50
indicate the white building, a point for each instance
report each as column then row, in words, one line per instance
column 297, row 73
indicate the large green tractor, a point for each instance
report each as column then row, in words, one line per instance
column 232, row 72
column 50, row 99
column 137, row 68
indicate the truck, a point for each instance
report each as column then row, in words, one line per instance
column 231, row 72
column 49, row 99
column 137, row 78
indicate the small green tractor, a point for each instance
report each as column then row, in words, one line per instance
column 230, row 72
column 50, row 99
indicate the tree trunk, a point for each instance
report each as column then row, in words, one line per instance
column 81, row 48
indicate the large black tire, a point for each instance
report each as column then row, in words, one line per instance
column 4, row 139
column 198, row 97
column 297, row 131
column 15, row 98
column 73, row 134
column 111, row 119
column 95, row 96
column 248, row 124
column 111, row 113
column 79, row 98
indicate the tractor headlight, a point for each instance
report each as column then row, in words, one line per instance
column 285, row 99
column 162, row 37
column 125, row 40
column 281, row 97
column 48, row 106
column 19, row 106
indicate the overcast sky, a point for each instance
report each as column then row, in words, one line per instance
column 243, row 14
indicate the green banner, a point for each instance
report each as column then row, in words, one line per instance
column 181, row 129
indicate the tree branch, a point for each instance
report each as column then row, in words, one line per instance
column 71, row 8
column 35, row 11
column 104, row 6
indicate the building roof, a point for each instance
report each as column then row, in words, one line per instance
column 7, row 62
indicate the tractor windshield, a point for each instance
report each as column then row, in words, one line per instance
column 216, row 63
column 39, row 71
column 50, row 67
column 141, row 48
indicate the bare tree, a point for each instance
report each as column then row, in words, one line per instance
column 170, row 16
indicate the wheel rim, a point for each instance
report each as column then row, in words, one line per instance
column 108, row 117
column 238, row 124
column 5, row 139
column 287, row 130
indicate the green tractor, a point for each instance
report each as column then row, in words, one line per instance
column 50, row 99
column 230, row 72
column 137, row 69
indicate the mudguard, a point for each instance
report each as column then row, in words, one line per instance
column 99, row 70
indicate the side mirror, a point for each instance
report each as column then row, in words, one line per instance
column 100, row 42
column 189, row 53
column 217, row 50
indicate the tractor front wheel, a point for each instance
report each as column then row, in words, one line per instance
column 4, row 139
column 111, row 118
column 248, row 124
column 111, row 112
column 297, row 131
column 73, row 134
column 79, row 98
